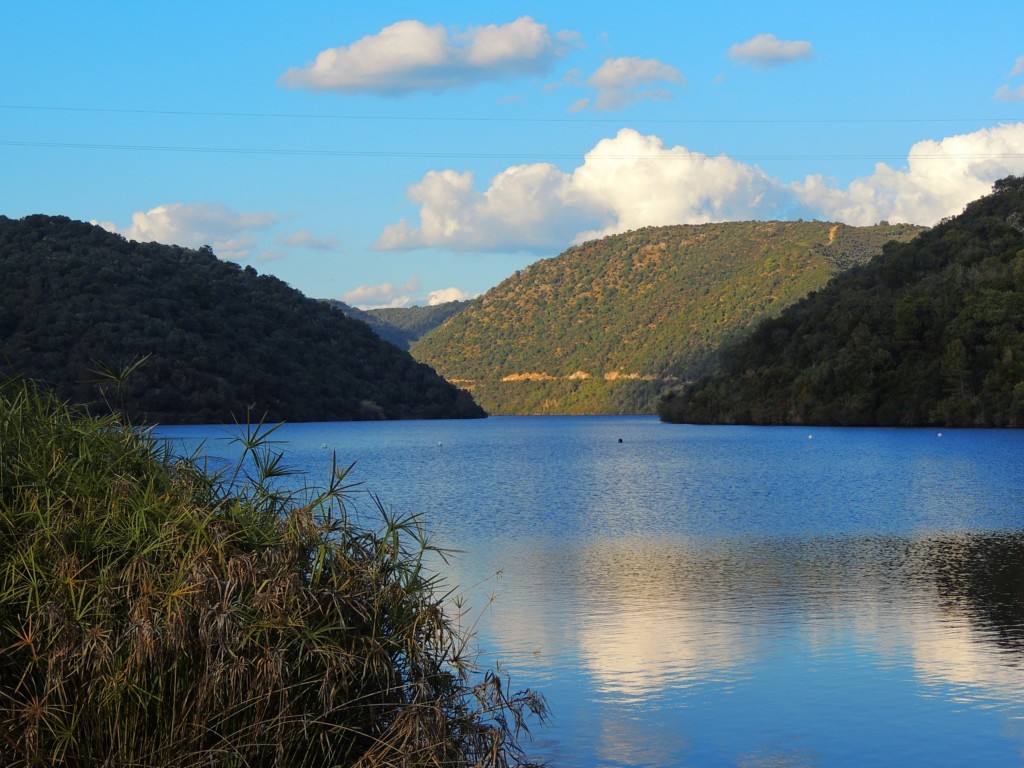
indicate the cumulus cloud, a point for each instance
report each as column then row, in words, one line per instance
column 625, row 182
column 1006, row 93
column 444, row 295
column 411, row 56
column 304, row 239
column 620, row 82
column 228, row 232
column 526, row 206
column 633, row 180
column 939, row 179
column 387, row 295
column 382, row 295
column 766, row 50
column 639, row 182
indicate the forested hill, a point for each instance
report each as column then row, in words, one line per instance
column 414, row 322
column 222, row 342
column 402, row 325
column 606, row 326
column 930, row 333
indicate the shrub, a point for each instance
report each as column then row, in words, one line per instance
column 153, row 613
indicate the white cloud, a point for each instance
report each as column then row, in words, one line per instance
column 444, row 295
column 269, row 255
column 625, row 182
column 526, row 206
column 304, row 239
column 194, row 224
column 524, row 42
column 939, row 179
column 382, row 295
column 386, row 295
column 234, row 248
column 766, row 50
column 632, row 180
column 620, row 82
column 1006, row 93
column 411, row 56
column 639, row 182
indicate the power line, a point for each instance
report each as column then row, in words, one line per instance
column 509, row 119
column 666, row 156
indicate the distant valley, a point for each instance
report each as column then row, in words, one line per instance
column 402, row 325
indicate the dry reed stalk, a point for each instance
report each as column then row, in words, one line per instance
column 153, row 614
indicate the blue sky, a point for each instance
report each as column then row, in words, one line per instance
column 413, row 152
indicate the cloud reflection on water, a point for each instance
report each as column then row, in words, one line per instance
column 729, row 596
column 653, row 626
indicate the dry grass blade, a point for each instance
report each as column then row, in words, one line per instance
column 153, row 614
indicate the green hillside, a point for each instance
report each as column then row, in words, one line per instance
column 222, row 342
column 930, row 333
column 414, row 322
column 608, row 325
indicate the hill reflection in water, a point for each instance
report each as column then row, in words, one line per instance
column 728, row 596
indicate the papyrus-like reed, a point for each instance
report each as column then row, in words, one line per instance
column 155, row 614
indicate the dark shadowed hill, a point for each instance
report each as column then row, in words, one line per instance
column 222, row 342
column 608, row 326
column 929, row 333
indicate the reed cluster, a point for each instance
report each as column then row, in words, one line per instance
column 155, row 613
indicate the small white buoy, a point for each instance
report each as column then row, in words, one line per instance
column 323, row 445
column 810, row 437
column 439, row 443
column 940, row 434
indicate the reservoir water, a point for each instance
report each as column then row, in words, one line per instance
column 721, row 596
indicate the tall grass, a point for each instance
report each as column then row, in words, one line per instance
column 155, row 614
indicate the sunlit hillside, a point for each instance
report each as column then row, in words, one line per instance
column 607, row 326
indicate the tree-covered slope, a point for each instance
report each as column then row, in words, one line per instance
column 414, row 322
column 930, row 333
column 222, row 342
column 385, row 331
column 606, row 326
column 402, row 325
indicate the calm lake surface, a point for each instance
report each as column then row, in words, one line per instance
column 722, row 596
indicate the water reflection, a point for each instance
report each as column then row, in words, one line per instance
column 729, row 596
column 983, row 575
column 979, row 645
column 781, row 651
